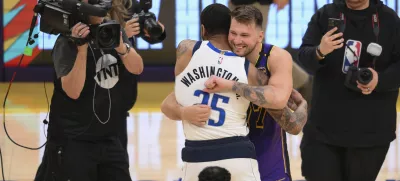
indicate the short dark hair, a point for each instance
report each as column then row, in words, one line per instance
column 216, row 19
column 247, row 14
column 214, row 174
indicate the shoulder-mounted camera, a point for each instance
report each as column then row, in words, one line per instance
column 58, row 17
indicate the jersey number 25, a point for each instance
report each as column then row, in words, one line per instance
column 214, row 101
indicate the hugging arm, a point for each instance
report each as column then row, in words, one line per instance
column 293, row 116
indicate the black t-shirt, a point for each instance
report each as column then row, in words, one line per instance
column 102, row 98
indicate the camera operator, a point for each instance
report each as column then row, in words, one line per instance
column 122, row 11
column 83, row 141
column 353, row 114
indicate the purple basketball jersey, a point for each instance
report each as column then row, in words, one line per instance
column 267, row 136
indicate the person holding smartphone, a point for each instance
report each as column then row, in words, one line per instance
column 351, row 124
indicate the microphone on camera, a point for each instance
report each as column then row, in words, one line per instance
column 375, row 50
column 76, row 6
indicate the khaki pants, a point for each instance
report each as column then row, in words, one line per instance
column 300, row 77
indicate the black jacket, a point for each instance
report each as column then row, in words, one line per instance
column 339, row 115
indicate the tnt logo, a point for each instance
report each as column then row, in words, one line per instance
column 107, row 71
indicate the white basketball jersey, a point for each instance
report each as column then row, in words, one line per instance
column 228, row 110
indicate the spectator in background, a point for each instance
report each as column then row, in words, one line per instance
column 122, row 11
column 301, row 79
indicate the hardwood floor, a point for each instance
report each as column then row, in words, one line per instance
column 154, row 141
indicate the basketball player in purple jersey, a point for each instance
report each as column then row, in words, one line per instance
column 267, row 126
column 268, row 136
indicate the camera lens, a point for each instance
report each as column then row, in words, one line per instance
column 106, row 36
column 364, row 76
column 152, row 27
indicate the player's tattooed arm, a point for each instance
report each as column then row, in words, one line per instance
column 183, row 55
column 259, row 92
column 291, row 122
column 184, row 46
column 280, row 84
column 254, row 94
column 170, row 106
column 195, row 114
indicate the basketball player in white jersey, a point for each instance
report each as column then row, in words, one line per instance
column 222, row 142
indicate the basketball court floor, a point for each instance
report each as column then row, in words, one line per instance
column 155, row 142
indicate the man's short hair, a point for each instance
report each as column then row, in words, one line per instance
column 216, row 19
column 248, row 14
column 214, row 174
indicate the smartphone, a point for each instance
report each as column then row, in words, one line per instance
column 333, row 22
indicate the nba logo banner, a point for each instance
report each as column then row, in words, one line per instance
column 352, row 54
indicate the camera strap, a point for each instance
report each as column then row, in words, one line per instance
column 375, row 24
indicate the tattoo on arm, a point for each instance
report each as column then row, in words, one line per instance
column 183, row 47
column 291, row 122
column 254, row 94
column 262, row 78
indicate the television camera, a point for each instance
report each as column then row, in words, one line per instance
column 59, row 16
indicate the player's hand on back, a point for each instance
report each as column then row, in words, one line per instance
column 299, row 105
column 217, row 84
column 295, row 100
column 196, row 114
